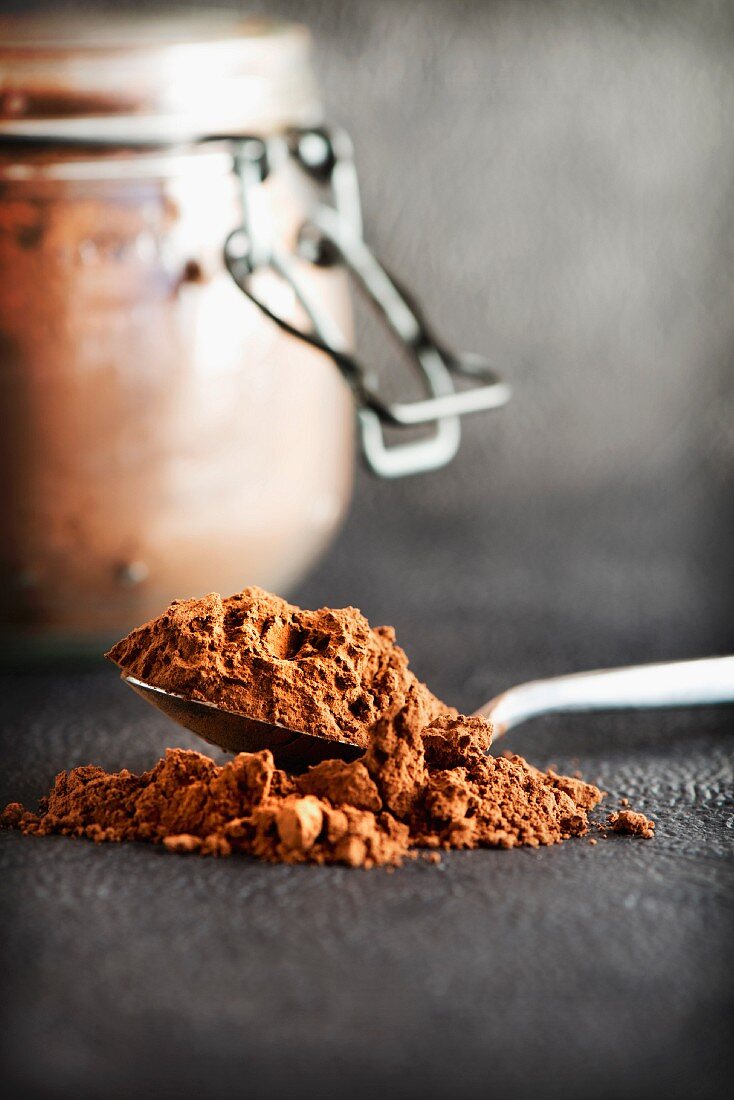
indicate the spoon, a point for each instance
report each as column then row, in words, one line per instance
column 673, row 684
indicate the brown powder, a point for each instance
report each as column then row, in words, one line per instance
column 424, row 780
column 628, row 821
column 325, row 672
column 436, row 790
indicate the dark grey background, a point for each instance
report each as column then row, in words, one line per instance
column 555, row 181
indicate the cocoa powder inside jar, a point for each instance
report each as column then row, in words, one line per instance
column 128, row 357
column 424, row 780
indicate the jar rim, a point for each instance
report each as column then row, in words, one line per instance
column 60, row 35
column 137, row 79
column 203, row 159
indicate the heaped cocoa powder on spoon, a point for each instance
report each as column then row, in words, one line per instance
column 424, row 780
column 325, row 672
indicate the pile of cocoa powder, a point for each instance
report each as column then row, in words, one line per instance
column 424, row 780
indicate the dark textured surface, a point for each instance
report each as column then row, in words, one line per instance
column 556, row 181
column 581, row 970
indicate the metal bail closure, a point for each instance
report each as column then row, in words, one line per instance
column 333, row 234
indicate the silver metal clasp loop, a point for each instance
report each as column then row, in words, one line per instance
column 333, row 234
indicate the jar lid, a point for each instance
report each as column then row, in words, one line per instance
column 153, row 80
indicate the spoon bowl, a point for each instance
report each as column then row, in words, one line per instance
column 239, row 733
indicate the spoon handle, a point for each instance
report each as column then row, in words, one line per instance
column 674, row 684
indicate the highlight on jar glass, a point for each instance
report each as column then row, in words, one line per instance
column 182, row 400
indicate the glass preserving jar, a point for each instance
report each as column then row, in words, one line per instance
column 160, row 437
column 177, row 380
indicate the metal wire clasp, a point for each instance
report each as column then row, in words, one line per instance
column 333, row 234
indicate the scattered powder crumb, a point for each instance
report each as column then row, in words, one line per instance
column 424, row 779
column 593, row 840
column 636, row 824
column 624, row 802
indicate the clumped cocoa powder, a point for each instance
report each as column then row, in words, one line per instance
column 326, row 672
column 424, row 780
column 189, row 804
